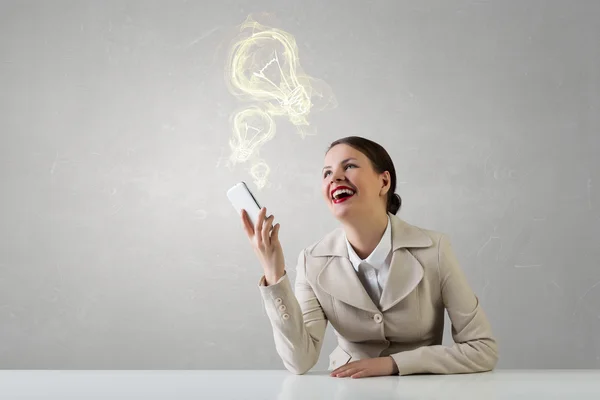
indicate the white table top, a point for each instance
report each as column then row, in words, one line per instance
column 282, row 385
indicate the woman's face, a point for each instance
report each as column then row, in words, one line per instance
column 346, row 167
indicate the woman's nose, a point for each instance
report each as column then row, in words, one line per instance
column 338, row 177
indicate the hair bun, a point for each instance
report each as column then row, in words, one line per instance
column 394, row 203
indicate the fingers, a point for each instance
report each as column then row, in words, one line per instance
column 335, row 372
column 266, row 230
column 354, row 369
column 344, row 368
column 246, row 224
column 356, row 372
column 379, row 366
column 259, row 224
column 348, row 372
column 361, row 374
column 275, row 233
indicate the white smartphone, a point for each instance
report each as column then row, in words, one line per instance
column 241, row 197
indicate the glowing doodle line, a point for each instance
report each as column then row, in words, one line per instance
column 263, row 66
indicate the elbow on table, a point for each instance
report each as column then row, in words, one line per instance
column 489, row 354
column 298, row 371
column 299, row 368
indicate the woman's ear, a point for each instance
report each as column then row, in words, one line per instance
column 386, row 183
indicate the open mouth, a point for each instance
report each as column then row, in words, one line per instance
column 341, row 195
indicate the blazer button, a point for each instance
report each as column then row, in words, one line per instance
column 278, row 300
column 378, row 318
column 285, row 316
column 282, row 308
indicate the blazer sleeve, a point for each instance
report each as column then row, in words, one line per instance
column 475, row 350
column 298, row 321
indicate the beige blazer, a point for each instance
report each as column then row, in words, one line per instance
column 424, row 279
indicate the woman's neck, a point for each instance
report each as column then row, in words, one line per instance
column 365, row 234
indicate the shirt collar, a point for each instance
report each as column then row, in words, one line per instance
column 378, row 256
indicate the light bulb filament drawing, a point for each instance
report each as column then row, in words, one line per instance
column 263, row 68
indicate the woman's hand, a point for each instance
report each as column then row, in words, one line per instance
column 265, row 242
column 380, row 366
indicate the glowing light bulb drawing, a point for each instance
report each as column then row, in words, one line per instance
column 260, row 171
column 252, row 127
column 263, row 66
column 276, row 82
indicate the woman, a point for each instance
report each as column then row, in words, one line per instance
column 382, row 283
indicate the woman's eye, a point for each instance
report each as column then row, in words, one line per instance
column 345, row 167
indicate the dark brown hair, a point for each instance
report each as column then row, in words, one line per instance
column 381, row 162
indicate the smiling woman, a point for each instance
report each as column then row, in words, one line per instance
column 381, row 282
column 365, row 169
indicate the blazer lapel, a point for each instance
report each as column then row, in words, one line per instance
column 338, row 276
column 339, row 279
column 405, row 270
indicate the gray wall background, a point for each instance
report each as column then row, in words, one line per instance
column 119, row 249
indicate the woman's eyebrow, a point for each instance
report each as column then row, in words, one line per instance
column 346, row 160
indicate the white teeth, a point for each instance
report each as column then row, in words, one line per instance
column 338, row 192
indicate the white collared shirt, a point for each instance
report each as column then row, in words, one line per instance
column 373, row 270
